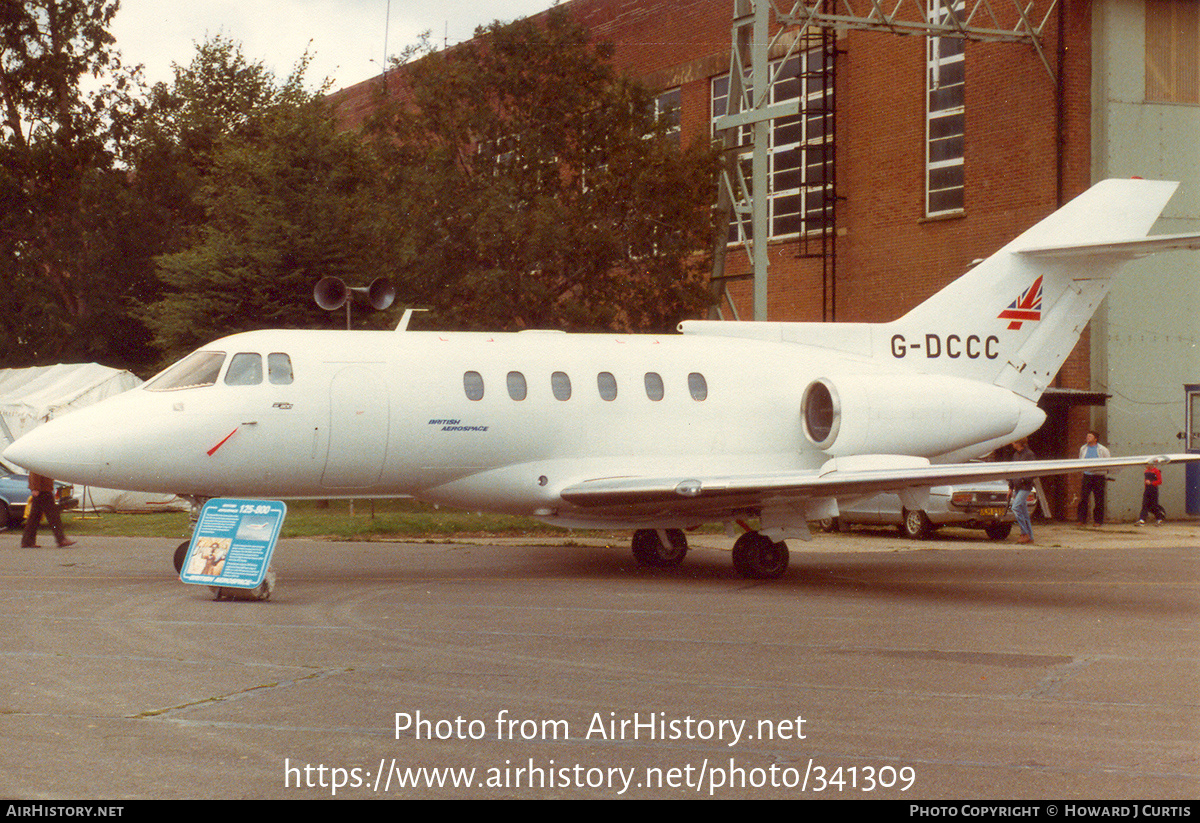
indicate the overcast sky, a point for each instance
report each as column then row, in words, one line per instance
column 346, row 35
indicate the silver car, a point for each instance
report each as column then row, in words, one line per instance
column 970, row 505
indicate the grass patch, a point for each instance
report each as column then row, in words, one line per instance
column 337, row 519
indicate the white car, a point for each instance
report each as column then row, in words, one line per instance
column 970, row 506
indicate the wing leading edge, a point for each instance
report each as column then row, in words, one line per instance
column 844, row 477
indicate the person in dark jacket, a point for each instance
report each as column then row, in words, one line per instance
column 42, row 489
column 1018, row 492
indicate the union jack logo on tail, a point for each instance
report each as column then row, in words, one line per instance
column 1026, row 307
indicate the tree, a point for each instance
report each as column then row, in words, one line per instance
column 63, row 268
column 263, row 195
column 536, row 188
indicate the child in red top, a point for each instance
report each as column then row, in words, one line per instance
column 1150, row 504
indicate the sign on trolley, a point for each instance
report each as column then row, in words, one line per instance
column 232, row 543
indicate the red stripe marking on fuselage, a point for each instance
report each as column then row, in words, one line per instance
column 213, row 450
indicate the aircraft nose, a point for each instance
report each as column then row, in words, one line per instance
column 55, row 450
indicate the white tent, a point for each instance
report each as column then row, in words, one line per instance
column 30, row 397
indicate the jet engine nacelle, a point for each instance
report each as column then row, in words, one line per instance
column 917, row 414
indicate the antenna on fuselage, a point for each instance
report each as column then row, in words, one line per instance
column 331, row 293
column 408, row 313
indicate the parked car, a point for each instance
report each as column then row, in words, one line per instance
column 14, row 493
column 970, row 505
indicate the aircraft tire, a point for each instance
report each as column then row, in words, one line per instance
column 999, row 531
column 916, row 525
column 648, row 548
column 4, row 522
column 180, row 555
column 757, row 557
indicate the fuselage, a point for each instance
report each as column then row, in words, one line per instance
column 491, row 421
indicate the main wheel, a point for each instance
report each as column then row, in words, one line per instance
column 181, row 554
column 757, row 557
column 660, row 548
column 916, row 525
column 998, row 531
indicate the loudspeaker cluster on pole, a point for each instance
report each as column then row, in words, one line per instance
column 331, row 293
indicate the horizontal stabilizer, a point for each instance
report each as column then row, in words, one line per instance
column 1136, row 247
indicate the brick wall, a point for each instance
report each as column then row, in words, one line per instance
column 889, row 256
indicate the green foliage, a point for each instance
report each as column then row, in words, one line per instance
column 536, row 188
column 518, row 182
column 65, row 222
column 265, row 197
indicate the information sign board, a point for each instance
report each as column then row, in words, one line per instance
column 232, row 542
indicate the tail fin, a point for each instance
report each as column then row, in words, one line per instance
column 1013, row 319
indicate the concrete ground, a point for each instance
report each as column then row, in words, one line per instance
column 878, row 667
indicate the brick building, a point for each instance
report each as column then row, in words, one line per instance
column 914, row 155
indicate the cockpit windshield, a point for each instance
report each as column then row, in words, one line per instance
column 196, row 370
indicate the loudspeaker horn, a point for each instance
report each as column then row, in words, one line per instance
column 381, row 293
column 330, row 293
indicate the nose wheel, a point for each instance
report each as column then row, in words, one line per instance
column 758, row 557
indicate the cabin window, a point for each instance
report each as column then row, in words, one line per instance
column 517, row 389
column 473, row 385
column 195, row 371
column 607, row 385
column 654, row 386
column 698, row 386
column 245, row 369
column 279, row 369
column 560, row 384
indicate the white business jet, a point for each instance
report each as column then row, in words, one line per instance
column 727, row 421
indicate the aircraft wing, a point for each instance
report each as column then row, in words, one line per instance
column 840, row 477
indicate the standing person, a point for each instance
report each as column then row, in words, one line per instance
column 43, row 503
column 1018, row 492
column 1093, row 482
column 1150, row 505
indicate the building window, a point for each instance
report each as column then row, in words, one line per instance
column 946, row 120
column 799, row 166
column 666, row 112
column 1173, row 51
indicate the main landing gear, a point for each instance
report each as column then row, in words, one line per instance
column 759, row 557
column 660, row 548
column 755, row 555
